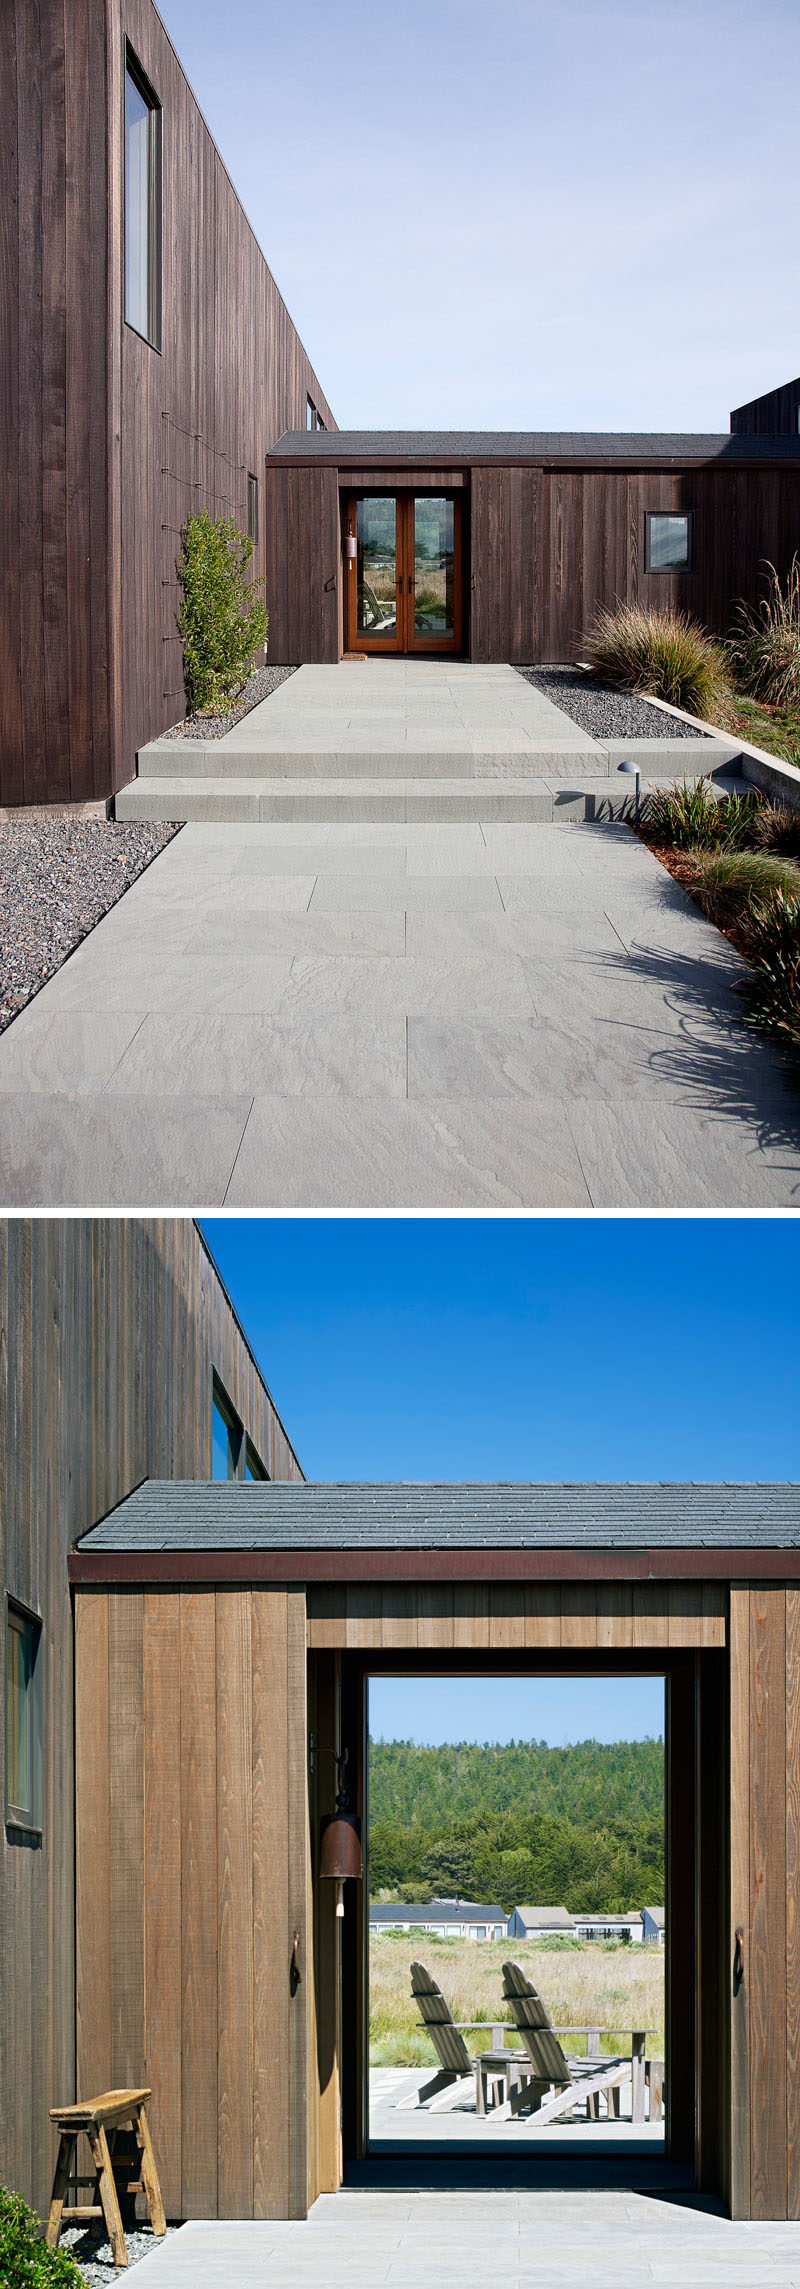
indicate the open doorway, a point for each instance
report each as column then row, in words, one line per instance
column 516, row 1928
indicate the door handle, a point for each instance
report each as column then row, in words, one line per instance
column 738, row 1960
column 295, row 1973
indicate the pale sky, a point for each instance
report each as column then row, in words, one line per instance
column 518, row 215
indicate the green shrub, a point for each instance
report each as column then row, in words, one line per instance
column 730, row 884
column 25, row 2260
column 771, row 991
column 560, row 1943
column 690, row 817
column 765, row 643
column 222, row 621
column 660, row 652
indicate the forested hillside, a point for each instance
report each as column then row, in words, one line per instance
column 519, row 1822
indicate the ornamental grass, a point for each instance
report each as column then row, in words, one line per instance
column 661, row 652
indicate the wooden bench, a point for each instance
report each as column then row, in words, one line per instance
column 99, row 2119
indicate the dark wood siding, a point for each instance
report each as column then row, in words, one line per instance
column 109, row 1332
column 546, row 547
column 232, row 375
column 105, row 445
column 54, row 691
column 773, row 415
column 302, row 563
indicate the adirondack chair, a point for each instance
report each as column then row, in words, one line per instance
column 552, row 2084
column 447, row 2037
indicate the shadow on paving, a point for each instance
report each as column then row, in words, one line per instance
column 737, row 1072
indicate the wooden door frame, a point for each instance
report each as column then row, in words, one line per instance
column 406, row 643
column 696, row 2025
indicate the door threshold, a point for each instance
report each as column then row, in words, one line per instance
column 390, row 2167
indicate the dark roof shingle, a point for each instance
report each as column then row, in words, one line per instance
column 194, row 1515
column 442, row 445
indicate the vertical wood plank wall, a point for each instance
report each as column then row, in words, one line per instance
column 191, row 1775
column 109, row 1333
column 775, row 411
column 105, row 443
column 764, row 1876
column 54, row 681
column 547, row 547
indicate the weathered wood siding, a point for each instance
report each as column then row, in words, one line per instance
column 109, row 1334
column 191, row 1735
column 765, row 1900
column 105, row 444
column 517, row 1616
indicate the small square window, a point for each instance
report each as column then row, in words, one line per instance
column 668, row 541
column 252, row 509
column 23, row 1719
column 142, row 204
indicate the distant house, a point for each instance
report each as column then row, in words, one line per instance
column 443, row 1919
column 601, row 1926
column 654, row 1926
column 539, row 1922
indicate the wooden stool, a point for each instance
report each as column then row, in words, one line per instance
column 101, row 2118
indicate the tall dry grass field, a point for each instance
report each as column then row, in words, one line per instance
column 618, row 1988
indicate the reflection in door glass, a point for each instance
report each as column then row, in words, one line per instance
column 433, row 567
column 377, row 567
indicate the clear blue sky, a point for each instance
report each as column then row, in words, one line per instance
column 554, row 1709
column 524, row 1348
column 518, row 215
column 494, row 1347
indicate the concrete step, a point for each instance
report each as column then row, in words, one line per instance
column 302, row 801
column 195, row 760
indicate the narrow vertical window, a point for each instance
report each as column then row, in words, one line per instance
column 252, row 509
column 311, row 413
column 142, row 204
column 23, row 1720
column 227, row 1437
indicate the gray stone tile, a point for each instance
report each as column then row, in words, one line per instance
column 665, row 1156
column 411, row 893
column 184, row 1055
column 173, row 981
column 88, row 1152
column 353, row 934
column 57, row 1052
column 320, row 985
column 357, row 1154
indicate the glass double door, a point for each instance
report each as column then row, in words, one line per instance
column 404, row 588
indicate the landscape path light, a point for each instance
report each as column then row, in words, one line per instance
column 632, row 770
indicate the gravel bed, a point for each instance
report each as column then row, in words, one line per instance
column 58, row 877
column 265, row 681
column 94, row 2258
column 605, row 713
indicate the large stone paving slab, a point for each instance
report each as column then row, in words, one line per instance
column 468, row 2239
column 466, row 1016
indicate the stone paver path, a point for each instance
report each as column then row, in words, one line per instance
column 392, row 1016
column 468, row 2240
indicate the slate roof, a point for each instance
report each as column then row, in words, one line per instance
column 282, row 1515
column 546, row 1918
column 443, row 445
column 436, row 1911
